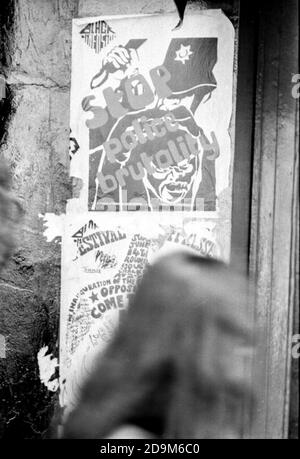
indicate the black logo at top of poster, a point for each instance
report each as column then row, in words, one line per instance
column 153, row 156
column 97, row 35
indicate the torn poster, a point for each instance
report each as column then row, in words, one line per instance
column 150, row 143
column 150, row 111
column 103, row 260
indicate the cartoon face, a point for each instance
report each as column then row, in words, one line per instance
column 173, row 183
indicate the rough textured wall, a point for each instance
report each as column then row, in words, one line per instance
column 35, row 143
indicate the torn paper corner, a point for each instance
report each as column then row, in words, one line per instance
column 47, row 366
column 54, row 226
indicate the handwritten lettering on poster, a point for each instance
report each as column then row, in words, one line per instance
column 104, row 262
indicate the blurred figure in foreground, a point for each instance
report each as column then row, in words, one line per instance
column 179, row 365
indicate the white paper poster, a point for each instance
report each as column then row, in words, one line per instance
column 150, row 147
column 103, row 261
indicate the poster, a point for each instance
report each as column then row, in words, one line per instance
column 150, row 149
column 104, row 260
column 150, row 112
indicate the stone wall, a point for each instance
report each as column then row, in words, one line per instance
column 36, row 35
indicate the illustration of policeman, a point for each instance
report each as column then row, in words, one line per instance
column 154, row 156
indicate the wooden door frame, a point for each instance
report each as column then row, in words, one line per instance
column 244, row 137
column 265, row 228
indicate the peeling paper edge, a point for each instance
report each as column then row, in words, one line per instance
column 54, row 226
column 47, row 365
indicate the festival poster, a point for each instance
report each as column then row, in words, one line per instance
column 150, row 112
column 103, row 261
